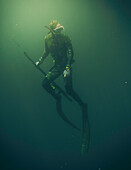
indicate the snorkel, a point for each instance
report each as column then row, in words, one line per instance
column 54, row 27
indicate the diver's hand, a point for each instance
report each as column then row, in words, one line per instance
column 37, row 63
column 66, row 72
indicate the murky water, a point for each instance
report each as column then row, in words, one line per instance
column 32, row 134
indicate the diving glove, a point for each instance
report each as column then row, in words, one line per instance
column 37, row 63
column 66, row 72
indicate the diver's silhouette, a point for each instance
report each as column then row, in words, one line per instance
column 60, row 47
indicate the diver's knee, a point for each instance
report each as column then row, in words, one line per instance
column 45, row 83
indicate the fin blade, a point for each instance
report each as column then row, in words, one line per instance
column 63, row 116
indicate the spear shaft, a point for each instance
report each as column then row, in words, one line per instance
column 53, row 83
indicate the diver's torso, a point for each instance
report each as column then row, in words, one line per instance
column 58, row 45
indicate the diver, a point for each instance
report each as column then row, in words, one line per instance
column 59, row 46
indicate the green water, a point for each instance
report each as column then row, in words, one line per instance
column 32, row 135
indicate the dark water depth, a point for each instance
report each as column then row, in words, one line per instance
column 32, row 135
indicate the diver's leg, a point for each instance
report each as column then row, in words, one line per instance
column 49, row 88
column 47, row 82
column 84, row 107
column 70, row 90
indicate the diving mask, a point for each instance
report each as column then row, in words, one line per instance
column 58, row 28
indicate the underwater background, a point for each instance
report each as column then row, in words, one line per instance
column 32, row 135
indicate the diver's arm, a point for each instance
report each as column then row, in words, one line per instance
column 45, row 54
column 69, row 50
column 69, row 53
column 69, row 58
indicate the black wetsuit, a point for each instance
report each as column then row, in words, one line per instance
column 60, row 48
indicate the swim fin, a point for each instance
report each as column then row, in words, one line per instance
column 85, row 130
column 62, row 115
